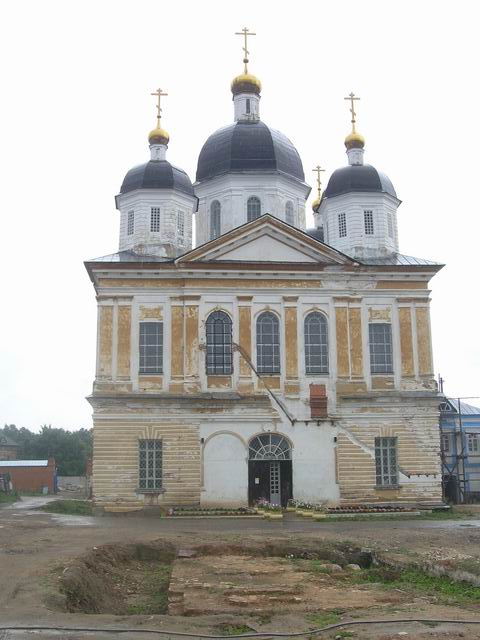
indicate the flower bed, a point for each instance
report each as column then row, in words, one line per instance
column 211, row 511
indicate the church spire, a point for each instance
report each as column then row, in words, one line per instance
column 246, row 87
column 354, row 142
column 316, row 203
column 158, row 138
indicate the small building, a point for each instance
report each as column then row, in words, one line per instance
column 8, row 448
column 32, row 476
column 460, row 450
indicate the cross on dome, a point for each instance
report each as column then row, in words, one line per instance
column 245, row 32
column 354, row 140
column 158, row 135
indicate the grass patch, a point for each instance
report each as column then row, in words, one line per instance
column 154, row 586
column 324, row 618
column 68, row 507
column 234, row 629
column 413, row 580
column 8, row 498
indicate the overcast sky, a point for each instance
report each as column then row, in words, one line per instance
column 76, row 111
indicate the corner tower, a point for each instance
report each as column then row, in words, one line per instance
column 156, row 202
column 247, row 169
column 358, row 209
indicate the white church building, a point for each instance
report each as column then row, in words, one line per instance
column 270, row 360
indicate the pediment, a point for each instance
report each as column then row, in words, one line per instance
column 266, row 240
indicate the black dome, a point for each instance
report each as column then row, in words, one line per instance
column 358, row 178
column 157, row 174
column 248, row 146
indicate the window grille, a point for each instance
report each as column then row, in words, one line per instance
column 316, row 343
column 269, row 446
column 247, row 102
column 215, row 219
column 289, row 216
column 368, row 220
column 151, row 347
column 386, row 465
column 445, row 442
column 380, row 339
column 342, row 225
column 390, row 224
column 254, row 208
column 155, row 219
column 268, row 343
column 130, row 223
column 473, row 443
column 219, row 344
column 180, row 224
column 150, row 464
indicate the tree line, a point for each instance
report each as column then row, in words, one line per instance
column 69, row 448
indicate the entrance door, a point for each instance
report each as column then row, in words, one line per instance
column 270, row 469
column 275, row 494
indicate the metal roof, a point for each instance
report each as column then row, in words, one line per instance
column 23, row 463
column 398, row 259
column 466, row 409
column 130, row 256
column 358, row 178
column 248, row 146
column 157, row 174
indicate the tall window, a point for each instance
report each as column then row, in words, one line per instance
column 150, row 464
column 445, row 443
column 151, row 347
column 180, row 224
column 254, row 208
column 154, row 219
column 390, row 224
column 219, row 344
column 215, row 219
column 130, row 223
column 473, row 444
column 368, row 222
column 289, row 217
column 380, row 338
column 247, row 105
column 268, row 343
column 316, row 343
column 342, row 225
column 386, row 464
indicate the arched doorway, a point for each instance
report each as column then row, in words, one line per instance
column 270, row 469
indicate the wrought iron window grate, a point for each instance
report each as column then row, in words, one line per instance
column 150, row 464
column 386, row 462
column 270, row 446
column 380, row 341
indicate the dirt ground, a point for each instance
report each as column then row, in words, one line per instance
column 36, row 548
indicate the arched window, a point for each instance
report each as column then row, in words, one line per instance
column 254, row 208
column 215, row 221
column 268, row 343
column 289, row 217
column 269, row 446
column 219, row 344
column 316, row 343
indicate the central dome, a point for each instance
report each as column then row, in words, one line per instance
column 248, row 146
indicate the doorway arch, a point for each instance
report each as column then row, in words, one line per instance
column 270, row 469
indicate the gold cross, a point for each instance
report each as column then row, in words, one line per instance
column 245, row 32
column 159, row 94
column 318, row 170
column 352, row 97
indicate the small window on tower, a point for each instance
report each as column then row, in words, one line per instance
column 181, row 224
column 390, row 225
column 342, row 225
column 368, row 220
column 155, row 219
column 248, row 105
column 130, row 223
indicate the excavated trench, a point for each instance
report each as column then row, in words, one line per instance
column 257, row 579
column 159, row 578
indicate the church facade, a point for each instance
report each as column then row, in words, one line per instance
column 269, row 361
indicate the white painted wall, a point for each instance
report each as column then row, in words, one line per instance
column 357, row 243
column 240, row 106
column 225, row 471
column 233, row 190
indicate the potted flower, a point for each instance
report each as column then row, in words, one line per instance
column 261, row 505
column 273, row 512
column 292, row 505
